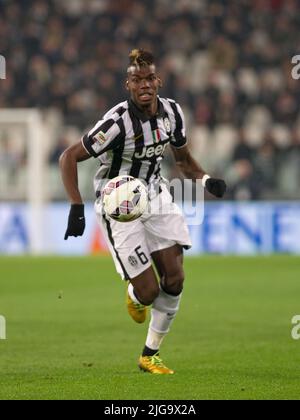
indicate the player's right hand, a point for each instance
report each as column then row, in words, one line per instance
column 76, row 221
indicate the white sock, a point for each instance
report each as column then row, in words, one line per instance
column 132, row 295
column 154, row 339
column 163, row 312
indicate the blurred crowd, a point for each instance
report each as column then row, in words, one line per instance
column 227, row 62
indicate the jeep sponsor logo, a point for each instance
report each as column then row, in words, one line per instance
column 149, row 151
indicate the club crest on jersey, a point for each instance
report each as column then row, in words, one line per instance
column 133, row 261
column 100, row 137
column 167, row 125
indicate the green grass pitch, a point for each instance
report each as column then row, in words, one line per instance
column 69, row 335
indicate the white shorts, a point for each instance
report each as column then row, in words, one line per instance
column 131, row 244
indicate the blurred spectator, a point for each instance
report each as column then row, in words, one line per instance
column 266, row 164
column 62, row 144
column 244, row 181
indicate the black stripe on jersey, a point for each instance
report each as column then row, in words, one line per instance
column 103, row 127
column 89, row 140
column 120, row 110
column 139, row 144
column 87, row 145
column 177, row 115
column 180, row 140
column 118, row 151
column 111, row 239
column 108, row 123
column 154, row 126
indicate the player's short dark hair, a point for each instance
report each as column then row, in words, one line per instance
column 140, row 57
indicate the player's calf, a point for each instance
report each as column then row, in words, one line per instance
column 142, row 292
column 145, row 287
column 136, row 310
column 163, row 312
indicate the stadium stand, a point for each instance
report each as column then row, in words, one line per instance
column 228, row 63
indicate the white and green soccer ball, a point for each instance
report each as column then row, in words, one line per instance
column 124, row 198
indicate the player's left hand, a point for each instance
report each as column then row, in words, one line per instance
column 216, row 187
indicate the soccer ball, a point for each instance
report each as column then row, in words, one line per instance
column 124, row 198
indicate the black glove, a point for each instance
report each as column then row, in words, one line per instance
column 76, row 222
column 216, row 187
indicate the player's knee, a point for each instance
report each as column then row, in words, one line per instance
column 147, row 295
column 173, row 283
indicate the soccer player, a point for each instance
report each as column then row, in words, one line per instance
column 131, row 139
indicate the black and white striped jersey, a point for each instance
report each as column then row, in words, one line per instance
column 129, row 143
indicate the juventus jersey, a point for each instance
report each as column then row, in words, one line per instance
column 127, row 142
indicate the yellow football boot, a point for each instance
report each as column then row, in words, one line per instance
column 137, row 311
column 154, row 364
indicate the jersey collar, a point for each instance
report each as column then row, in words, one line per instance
column 139, row 114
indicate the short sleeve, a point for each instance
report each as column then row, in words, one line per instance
column 106, row 135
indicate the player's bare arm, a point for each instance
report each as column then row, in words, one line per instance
column 68, row 166
column 192, row 170
column 188, row 166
